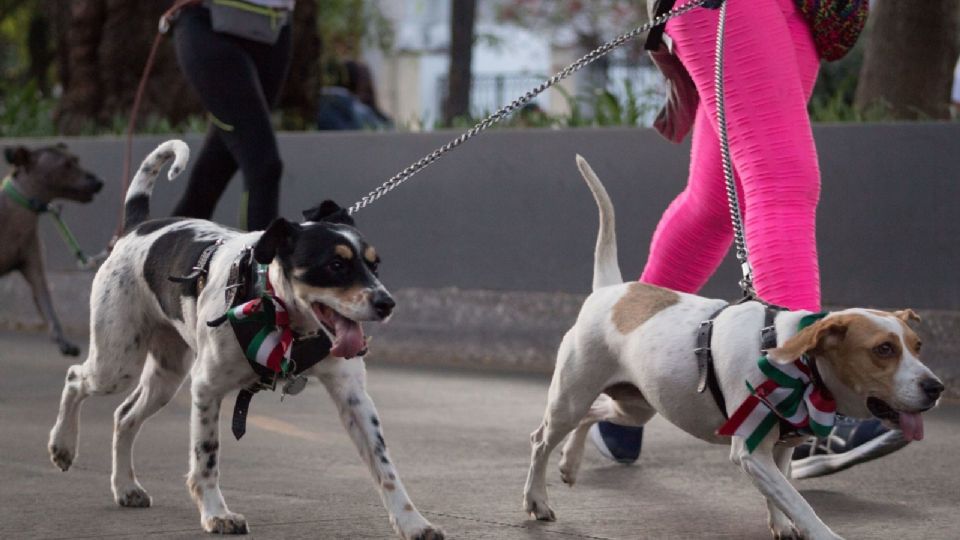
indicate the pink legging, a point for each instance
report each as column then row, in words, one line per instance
column 770, row 68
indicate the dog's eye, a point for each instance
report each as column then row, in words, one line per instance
column 919, row 345
column 885, row 350
column 337, row 266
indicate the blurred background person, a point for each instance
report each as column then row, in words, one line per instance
column 238, row 71
column 350, row 101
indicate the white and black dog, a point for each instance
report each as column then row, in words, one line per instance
column 322, row 270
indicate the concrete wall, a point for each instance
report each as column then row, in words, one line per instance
column 508, row 211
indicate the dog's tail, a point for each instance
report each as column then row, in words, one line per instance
column 136, row 207
column 606, row 268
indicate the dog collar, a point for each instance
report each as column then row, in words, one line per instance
column 40, row 207
column 30, row 203
column 260, row 323
column 790, row 393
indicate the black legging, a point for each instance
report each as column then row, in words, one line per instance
column 238, row 81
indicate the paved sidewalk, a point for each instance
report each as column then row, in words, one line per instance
column 460, row 440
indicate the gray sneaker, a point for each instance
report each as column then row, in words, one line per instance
column 850, row 442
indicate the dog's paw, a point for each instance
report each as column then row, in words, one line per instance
column 430, row 533
column 569, row 469
column 539, row 510
column 228, row 524
column 133, row 497
column 60, row 456
column 67, row 348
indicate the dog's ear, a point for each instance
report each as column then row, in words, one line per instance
column 330, row 212
column 277, row 240
column 907, row 315
column 816, row 337
column 18, row 156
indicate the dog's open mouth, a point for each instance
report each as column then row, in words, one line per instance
column 348, row 338
column 910, row 423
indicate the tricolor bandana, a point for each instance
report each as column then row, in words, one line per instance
column 271, row 346
column 788, row 393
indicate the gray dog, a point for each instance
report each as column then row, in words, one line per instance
column 38, row 177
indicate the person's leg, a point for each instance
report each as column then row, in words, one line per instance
column 263, row 182
column 212, row 171
column 770, row 65
column 226, row 77
column 766, row 89
column 694, row 233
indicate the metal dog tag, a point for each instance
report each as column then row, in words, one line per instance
column 293, row 386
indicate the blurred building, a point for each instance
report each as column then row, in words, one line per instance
column 508, row 60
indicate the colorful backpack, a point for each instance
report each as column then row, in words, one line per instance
column 836, row 24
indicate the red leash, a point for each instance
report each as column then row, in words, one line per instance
column 164, row 27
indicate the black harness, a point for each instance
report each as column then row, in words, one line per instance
column 306, row 351
column 707, row 371
column 768, row 340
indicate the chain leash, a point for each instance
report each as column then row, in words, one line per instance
column 505, row 111
column 736, row 217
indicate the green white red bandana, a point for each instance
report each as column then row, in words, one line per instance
column 787, row 393
column 271, row 346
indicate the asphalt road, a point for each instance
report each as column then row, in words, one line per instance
column 460, row 440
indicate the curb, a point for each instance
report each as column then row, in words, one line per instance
column 468, row 329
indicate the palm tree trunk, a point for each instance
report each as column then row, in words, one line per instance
column 909, row 59
column 462, row 17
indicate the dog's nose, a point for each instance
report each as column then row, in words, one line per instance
column 932, row 388
column 97, row 183
column 383, row 304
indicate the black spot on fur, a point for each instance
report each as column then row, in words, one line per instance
column 210, row 446
column 203, row 408
column 212, row 461
column 204, row 421
column 381, row 444
column 205, row 473
column 384, row 460
column 353, row 401
column 136, row 211
column 173, row 254
column 375, row 421
column 155, row 224
column 71, row 376
column 125, row 409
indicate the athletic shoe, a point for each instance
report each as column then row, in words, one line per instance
column 617, row 443
column 850, row 442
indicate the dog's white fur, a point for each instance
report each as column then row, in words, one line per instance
column 130, row 336
column 657, row 358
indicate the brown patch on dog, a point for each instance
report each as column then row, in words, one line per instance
column 389, row 486
column 849, row 342
column 639, row 304
column 344, row 251
column 623, row 391
column 370, row 254
column 408, row 507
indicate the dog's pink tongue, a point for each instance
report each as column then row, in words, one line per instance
column 912, row 426
column 349, row 339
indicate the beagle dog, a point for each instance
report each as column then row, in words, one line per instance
column 630, row 355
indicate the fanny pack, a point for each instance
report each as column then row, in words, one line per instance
column 245, row 20
column 836, row 24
